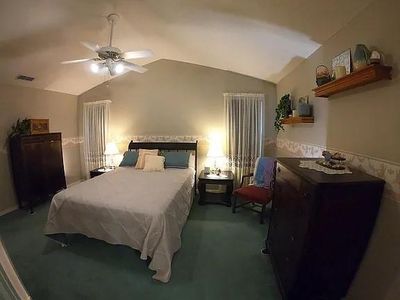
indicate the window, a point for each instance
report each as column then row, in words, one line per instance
column 95, row 133
column 244, row 123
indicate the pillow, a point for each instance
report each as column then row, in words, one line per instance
column 142, row 155
column 178, row 160
column 153, row 163
column 130, row 158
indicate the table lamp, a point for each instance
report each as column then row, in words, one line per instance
column 214, row 153
column 111, row 150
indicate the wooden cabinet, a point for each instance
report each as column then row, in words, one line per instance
column 319, row 229
column 38, row 168
column 226, row 179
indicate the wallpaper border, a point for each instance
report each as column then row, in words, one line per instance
column 140, row 138
column 388, row 171
column 153, row 138
column 165, row 138
column 70, row 141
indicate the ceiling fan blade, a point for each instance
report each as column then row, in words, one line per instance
column 134, row 67
column 138, row 54
column 75, row 61
column 92, row 46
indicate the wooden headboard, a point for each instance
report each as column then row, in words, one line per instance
column 169, row 146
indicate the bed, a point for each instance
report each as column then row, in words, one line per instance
column 124, row 207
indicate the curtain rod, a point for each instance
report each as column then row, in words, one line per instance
column 97, row 102
column 242, row 94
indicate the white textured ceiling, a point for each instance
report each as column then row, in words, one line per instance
column 265, row 39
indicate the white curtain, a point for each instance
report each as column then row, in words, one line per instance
column 244, row 125
column 96, row 117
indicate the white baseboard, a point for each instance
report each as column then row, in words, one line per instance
column 8, row 210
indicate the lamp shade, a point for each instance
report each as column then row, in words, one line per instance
column 111, row 149
column 215, row 150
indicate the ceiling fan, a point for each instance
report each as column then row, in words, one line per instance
column 111, row 57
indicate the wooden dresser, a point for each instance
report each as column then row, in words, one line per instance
column 319, row 229
column 38, row 168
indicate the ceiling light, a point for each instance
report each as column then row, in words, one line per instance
column 94, row 67
column 119, row 68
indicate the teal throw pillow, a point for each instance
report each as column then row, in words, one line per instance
column 130, row 159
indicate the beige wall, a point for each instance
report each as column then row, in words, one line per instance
column 354, row 120
column 175, row 98
column 364, row 121
column 21, row 102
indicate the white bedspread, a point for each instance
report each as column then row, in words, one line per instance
column 143, row 210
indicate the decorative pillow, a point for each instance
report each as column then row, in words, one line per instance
column 153, row 163
column 176, row 159
column 142, row 155
column 130, row 158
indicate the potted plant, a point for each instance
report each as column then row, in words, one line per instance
column 283, row 110
column 20, row 127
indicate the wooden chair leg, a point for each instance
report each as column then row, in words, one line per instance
column 234, row 204
column 262, row 214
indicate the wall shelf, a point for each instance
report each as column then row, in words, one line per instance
column 358, row 78
column 298, row 120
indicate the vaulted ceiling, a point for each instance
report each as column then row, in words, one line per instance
column 265, row 39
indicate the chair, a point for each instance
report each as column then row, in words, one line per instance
column 259, row 193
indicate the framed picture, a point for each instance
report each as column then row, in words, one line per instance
column 39, row 126
column 343, row 59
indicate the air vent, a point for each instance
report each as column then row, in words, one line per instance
column 23, row 77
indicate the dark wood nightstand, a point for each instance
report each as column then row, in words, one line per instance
column 99, row 171
column 226, row 178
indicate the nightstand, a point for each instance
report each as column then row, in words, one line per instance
column 226, row 178
column 99, row 171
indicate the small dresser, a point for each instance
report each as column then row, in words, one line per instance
column 319, row 229
column 38, row 168
column 100, row 171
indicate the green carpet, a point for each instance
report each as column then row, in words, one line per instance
column 220, row 259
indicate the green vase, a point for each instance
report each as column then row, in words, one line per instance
column 360, row 57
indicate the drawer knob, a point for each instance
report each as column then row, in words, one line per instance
column 287, row 259
column 292, row 238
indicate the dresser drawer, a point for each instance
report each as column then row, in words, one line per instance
column 293, row 194
column 284, row 174
column 40, row 138
column 291, row 211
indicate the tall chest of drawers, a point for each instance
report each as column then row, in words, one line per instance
column 38, row 167
column 319, row 229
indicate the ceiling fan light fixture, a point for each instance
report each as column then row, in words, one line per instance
column 94, row 68
column 119, row 68
column 112, row 58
